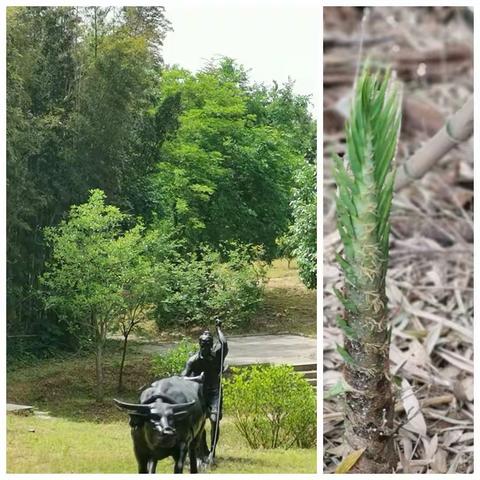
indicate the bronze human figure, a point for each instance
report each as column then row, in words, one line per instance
column 210, row 360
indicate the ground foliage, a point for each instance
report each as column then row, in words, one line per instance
column 173, row 361
column 430, row 277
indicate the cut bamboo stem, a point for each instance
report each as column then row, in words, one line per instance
column 457, row 129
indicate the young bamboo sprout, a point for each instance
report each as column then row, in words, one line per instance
column 365, row 180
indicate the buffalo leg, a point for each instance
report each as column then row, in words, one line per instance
column 179, row 457
column 152, row 466
column 203, row 451
column 192, row 453
column 142, row 465
column 142, row 462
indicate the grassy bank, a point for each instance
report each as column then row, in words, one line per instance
column 58, row 445
column 289, row 307
column 85, row 436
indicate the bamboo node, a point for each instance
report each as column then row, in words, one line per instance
column 450, row 135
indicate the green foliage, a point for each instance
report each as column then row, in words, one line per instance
column 96, row 266
column 90, row 105
column 92, row 264
column 364, row 197
column 79, row 87
column 272, row 406
column 227, row 173
column 303, row 232
column 193, row 288
column 40, row 62
column 172, row 362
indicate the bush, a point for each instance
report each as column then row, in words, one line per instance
column 272, row 406
column 173, row 361
column 196, row 287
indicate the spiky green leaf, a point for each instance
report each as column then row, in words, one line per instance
column 346, row 328
column 345, row 355
column 365, row 181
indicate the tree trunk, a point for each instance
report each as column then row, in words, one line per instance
column 122, row 363
column 99, row 340
column 99, row 370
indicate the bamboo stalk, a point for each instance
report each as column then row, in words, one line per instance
column 457, row 129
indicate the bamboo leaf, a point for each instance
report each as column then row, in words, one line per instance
column 338, row 389
column 348, row 304
column 349, row 461
column 345, row 327
column 345, row 355
column 348, row 270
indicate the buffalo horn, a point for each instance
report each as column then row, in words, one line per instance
column 162, row 396
column 137, row 407
column 199, row 378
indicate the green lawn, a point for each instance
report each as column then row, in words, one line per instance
column 58, row 445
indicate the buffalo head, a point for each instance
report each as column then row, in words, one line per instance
column 158, row 416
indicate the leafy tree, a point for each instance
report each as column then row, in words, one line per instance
column 303, row 231
column 94, row 267
column 227, row 173
column 281, row 108
column 149, row 23
column 139, row 285
column 41, row 61
column 193, row 287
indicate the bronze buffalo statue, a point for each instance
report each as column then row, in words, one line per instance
column 169, row 421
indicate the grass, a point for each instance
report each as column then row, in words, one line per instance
column 57, row 445
column 289, row 306
column 65, row 387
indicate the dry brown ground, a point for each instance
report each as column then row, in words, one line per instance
column 430, row 279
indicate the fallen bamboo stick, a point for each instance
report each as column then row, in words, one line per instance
column 457, row 129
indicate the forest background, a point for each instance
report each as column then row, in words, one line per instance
column 190, row 181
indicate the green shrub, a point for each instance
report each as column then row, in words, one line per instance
column 197, row 287
column 272, row 406
column 173, row 361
